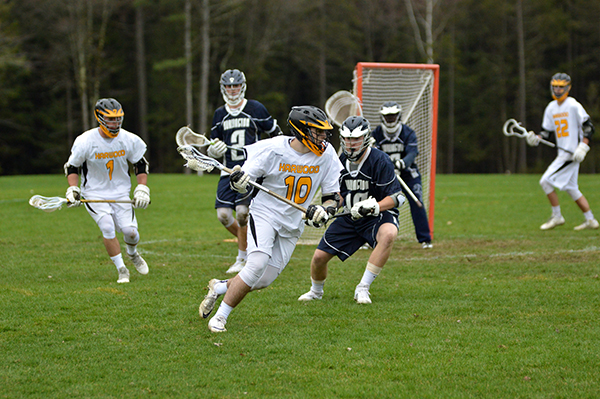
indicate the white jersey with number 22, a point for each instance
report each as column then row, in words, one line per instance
column 566, row 120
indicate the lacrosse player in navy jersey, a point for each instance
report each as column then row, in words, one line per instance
column 102, row 156
column 569, row 124
column 238, row 123
column 372, row 193
column 400, row 142
column 293, row 167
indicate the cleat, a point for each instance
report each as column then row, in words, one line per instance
column 123, row 275
column 361, row 294
column 553, row 222
column 310, row 295
column 427, row 245
column 208, row 304
column 589, row 224
column 140, row 264
column 217, row 324
column 237, row 266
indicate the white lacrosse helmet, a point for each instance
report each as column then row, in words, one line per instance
column 390, row 114
column 233, row 77
column 353, row 128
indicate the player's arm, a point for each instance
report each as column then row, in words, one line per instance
column 318, row 215
column 588, row 131
column 141, row 194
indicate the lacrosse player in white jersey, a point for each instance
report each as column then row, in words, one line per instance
column 372, row 193
column 102, row 156
column 238, row 123
column 294, row 167
column 566, row 121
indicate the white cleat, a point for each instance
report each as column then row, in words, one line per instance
column 217, row 324
column 208, row 304
column 427, row 245
column 589, row 224
column 310, row 295
column 553, row 222
column 123, row 275
column 140, row 264
column 361, row 294
column 237, row 266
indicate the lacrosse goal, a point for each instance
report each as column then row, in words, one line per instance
column 415, row 87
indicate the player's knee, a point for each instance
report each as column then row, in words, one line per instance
column 107, row 227
column 130, row 235
column 320, row 259
column 241, row 215
column 546, row 186
column 387, row 235
column 258, row 274
column 575, row 194
column 225, row 216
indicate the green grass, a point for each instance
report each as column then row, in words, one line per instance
column 497, row 309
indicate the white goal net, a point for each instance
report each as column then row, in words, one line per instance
column 415, row 87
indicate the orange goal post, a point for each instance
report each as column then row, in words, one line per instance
column 416, row 88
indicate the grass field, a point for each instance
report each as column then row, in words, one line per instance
column 498, row 308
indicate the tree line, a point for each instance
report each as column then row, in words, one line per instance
column 162, row 60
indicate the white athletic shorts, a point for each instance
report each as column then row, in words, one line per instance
column 263, row 237
column 122, row 214
column 562, row 174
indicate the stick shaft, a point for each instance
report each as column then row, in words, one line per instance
column 409, row 191
column 108, row 201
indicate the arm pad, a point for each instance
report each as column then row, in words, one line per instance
column 141, row 166
column 70, row 169
column 546, row 134
column 588, row 130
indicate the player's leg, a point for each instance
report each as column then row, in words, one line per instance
column 386, row 236
column 318, row 275
column 583, row 204
column 419, row 214
column 101, row 213
column 241, row 216
column 126, row 222
column 554, row 177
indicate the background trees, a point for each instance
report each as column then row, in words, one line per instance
column 496, row 58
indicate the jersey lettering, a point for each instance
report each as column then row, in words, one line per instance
column 392, row 147
column 298, row 190
column 357, row 185
column 236, row 123
column 305, row 169
column 114, row 154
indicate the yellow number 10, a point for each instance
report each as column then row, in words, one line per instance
column 298, row 191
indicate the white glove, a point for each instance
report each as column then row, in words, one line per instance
column 580, row 152
column 141, row 196
column 399, row 164
column 368, row 207
column 73, row 196
column 217, row 149
column 316, row 215
column 532, row 139
column 193, row 164
column 238, row 180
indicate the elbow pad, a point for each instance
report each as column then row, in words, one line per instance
column 546, row 134
column 70, row 169
column 141, row 166
column 588, row 130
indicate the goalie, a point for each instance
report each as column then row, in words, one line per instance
column 566, row 120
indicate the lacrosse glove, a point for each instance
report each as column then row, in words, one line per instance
column 580, row 152
column 217, row 149
column 73, row 196
column 532, row 139
column 141, row 196
column 316, row 216
column 238, row 180
column 399, row 164
column 368, row 207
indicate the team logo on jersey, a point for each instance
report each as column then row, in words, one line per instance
column 113, row 154
column 357, row 185
column 305, row 169
column 392, row 147
column 561, row 115
column 237, row 123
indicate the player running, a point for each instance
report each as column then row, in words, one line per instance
column 569, row 124
column 101, row 155
column 238, row 123
column 294, row 167
column 371, row 191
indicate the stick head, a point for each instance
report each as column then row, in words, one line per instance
column 47, row 204
column 196, row 160
column 342, row 105
column 185, row 136
column 513, row 128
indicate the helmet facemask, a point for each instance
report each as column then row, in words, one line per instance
column 109, row 115
column 233, row 87
column 311, row 127
column 354, row 137
column 390, row 114
column 560, row 85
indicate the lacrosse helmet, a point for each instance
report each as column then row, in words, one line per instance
column 355, row 127
column 306, row 123
column 109, row 108
column 233, row 77
column 390, row 114
column 560, row 85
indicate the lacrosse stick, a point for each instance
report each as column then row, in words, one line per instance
column 409, row 191
column 186, row 136
column 197, row 160
column 341, row 105
column 51, row 204
column 511, row 125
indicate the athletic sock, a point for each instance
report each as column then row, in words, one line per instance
column 242, row 255
column 371, row 273
column 131, row 249
column 588, row 215
column 317, row 286
column 224, row 310
column 556, row 211
column 118, row 261
column 221, row 288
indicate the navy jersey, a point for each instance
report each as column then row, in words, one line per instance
column 402, row 146
column 241, row 129
column 375, row 177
